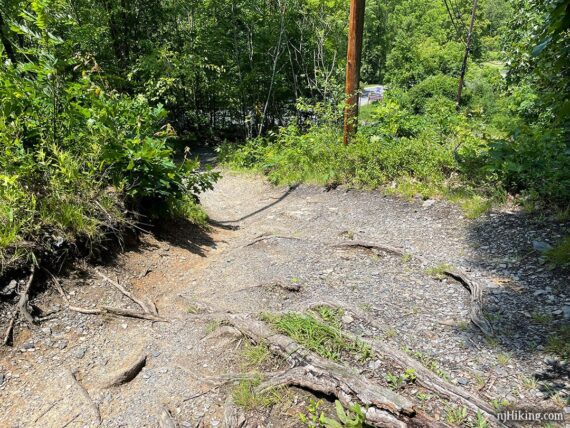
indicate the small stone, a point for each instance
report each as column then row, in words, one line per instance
column 539, row 292
column 462, row 381
column 2, row 378
column 124, row 326
column 374, row 365
column 46, row 331
column 28, row 345
column 428, row 203
column 541, row 246
column 80, row 352
column 62, row 344
column 347, row 319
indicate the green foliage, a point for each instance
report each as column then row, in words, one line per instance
column 456, row 415
column 354, row 417
column 559, row 342
column 246, row 395
column 76, row 155
column 325, row 339
column 398, row 381
column 560, row 254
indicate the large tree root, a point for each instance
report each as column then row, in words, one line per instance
column 425, row 377
column 146, row 307
column 474, row 288
column 87, row 398
column 385, row 408
column 21, row 308
column 101, row 310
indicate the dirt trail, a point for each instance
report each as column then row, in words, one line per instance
column 263, row 238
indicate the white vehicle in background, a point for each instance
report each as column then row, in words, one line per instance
column 371, row 94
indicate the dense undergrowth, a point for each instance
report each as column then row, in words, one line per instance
column 507, row 140
column 79, row 161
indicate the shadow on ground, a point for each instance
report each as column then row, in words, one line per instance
column 528, row 302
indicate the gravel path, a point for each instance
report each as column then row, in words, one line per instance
column 264, row 237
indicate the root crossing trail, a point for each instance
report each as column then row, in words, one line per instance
column 281, row 249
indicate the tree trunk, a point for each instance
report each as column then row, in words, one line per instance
column 355, row 34
column 466, row 56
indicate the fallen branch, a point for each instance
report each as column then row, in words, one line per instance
column 321, row 375
column 144, row 306
column 101, row 310
column 127, row 374
column 87, row 397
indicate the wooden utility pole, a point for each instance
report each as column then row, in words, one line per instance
column 354, row 52
column 466, row 56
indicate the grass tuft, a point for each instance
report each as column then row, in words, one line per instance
column 321, row 337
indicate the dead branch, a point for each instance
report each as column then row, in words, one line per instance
column 144, row 306
column 101, row 310
column 128, row 373
column 319, row 374
column 87, row 398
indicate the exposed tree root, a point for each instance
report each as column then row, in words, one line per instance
column 128, row 373
column 425, row 377
column 267, row 237
column 21, row 309
column 166, row 420
column 87, row 398
column 474, row 288
column 146, row 307
column 101, row 310
column 369, row 246
column 313, row 372
column 476, row 311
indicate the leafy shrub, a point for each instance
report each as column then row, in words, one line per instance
column 76, row 158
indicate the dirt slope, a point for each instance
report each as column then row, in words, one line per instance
column 265, row 238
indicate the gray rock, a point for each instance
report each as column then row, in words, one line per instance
column 62, row 344
column 462, row 381
column 2, row 379
column 566, row 311
column 80, row 352
column 28, row 345
column 541, row 246
column 46, row 331
column 428, row 203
